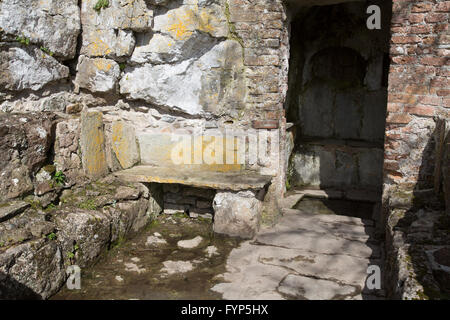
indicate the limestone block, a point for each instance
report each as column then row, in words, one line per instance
column 28, row 67
column 124, row 144
column 98, row 74
column 54, row 24
column 33, row 270
column 120, row 14
column 89, row 230
column 67, row 157
column 237, row 213
column 107, row 43
column 181, row 23
column 25, row 140
column 209, row 84
column 92, row 144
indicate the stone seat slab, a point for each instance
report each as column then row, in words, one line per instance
column 232, row 181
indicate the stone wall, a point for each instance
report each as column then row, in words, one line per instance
column 150, row 67
column 418, row 97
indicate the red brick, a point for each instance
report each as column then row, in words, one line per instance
column 421, row 7
column 265, row 124
column 405, row 39
column 443, row 7
column 416, row 18
column 399, row 118
column 433, row 61
column 394, row 107
column 440, row 82
column 443, row 92
column 417, row 89
column 391, row 166
column 420, row 110
column 447, row 103
column 429, row 100
column 436, row 17
column 420, row 29
column 404, row 60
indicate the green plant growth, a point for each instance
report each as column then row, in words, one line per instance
column 122, row 66
column 47, row 51
column 88, row 204
column 59, row 178
column 23, row 40
column 101, row 4
column 2, row 244
column 51, row 236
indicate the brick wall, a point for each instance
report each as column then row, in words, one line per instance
column 418, row 92
column 262, row 27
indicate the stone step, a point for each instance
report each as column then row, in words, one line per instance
column 235, row 181
column 10, row 209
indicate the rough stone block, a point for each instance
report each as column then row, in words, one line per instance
column 92, row 141
column 237, row 214
column 28, row 67
column 124, row 144
column 98, row 74
column 54, row 24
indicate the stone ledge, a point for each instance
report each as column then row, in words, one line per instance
column 234, row 181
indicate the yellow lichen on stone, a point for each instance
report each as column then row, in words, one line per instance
column 124, row 144
column 92, row 141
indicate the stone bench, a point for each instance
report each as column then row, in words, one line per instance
column 237, row 204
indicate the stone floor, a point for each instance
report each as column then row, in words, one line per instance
column 309, row 254
column 312, row 253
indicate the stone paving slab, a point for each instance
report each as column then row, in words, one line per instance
column 305, row 256
column 295, row 220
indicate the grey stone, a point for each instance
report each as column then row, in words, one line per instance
column 97, row 74
column 92, row 140
column 25, row 140
column 89, row 230
column 54, row 24
column 28, row 68
column 237, row 213
column 300, row 287
column 190, row 244
column 191, row 86
column 33, row 270
column 10, row 209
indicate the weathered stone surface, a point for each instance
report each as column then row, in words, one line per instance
column 89, row 230
column 33, row 270
column 301, row 268
column 67, row 156
column 98, row 74
column 124, row 144
column 55, row 24
column 236, row 181
column 300, row 287
column 10, row 209
column 176, row 267
column 92, row 144
column 28, row 68
column 120, row 14
column 107, row 43
column 237, row 214
column 190, row 244
column 25, row 140
column 192, row 85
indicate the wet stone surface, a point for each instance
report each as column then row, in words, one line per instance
column 153, row 266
